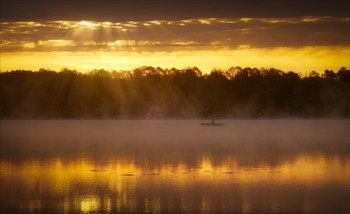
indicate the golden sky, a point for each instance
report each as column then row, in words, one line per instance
column 85, row 39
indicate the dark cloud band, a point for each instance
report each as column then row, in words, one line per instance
column 141, row 10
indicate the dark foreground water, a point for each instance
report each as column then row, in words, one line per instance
column 245, row 166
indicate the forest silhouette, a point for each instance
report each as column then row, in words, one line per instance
column 182, row 93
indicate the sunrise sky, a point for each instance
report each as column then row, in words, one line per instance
column 124, row 34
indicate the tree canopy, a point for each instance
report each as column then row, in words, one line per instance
column 182, row 93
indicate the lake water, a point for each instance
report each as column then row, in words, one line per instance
column 175, row 166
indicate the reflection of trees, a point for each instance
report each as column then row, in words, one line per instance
column 235, row 92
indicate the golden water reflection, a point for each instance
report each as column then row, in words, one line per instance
column 308, row 184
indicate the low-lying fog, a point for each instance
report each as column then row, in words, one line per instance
column 106, row 138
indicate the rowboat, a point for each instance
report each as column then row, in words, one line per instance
column 212, row 123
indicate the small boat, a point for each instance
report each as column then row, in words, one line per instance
column 212, row 123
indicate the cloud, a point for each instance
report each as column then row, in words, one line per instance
column 141, row 10
column 163, row 35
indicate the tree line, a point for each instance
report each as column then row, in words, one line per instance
column 182, row 93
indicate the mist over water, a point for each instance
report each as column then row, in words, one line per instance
column 175, row 166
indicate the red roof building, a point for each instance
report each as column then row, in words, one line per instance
column 154, row 112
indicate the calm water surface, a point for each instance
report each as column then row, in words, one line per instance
column 175, row 166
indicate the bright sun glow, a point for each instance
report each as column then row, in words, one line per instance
column 89, row 24
column 295, row 59
column 90, row 205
